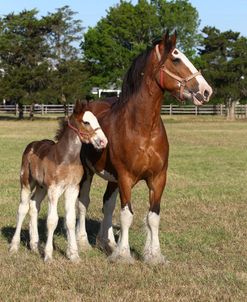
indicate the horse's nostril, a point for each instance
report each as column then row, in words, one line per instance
column 206, row 94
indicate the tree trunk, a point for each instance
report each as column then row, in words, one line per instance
column 230, row 110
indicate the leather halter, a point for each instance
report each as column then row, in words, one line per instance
column 183, row 81
column 82, row 134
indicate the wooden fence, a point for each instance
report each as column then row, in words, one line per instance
column 220, row 109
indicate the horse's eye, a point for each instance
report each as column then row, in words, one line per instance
column 176, row 60
column 86, row 123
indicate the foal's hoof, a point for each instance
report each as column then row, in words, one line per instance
column 13, row 249
column 84, row 245
column 48, row 259
column 34, row 248
column 75, row 258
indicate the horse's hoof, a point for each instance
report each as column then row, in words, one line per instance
column 106, row 245
column 155, row 259
column 121, row 258
column 34, row 248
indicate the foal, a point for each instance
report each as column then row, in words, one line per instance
column 55, row 168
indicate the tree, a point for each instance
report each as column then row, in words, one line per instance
column 110, row 46
column 223, row 59
column 23, row 53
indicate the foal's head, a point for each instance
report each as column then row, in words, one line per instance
column 86, row 125
column 178, row 75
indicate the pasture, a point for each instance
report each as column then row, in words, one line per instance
column 203, row 228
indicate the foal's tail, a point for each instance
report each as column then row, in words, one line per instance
column 25, row 175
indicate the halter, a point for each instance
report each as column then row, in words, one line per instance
column 183, row 81
column 80, row 133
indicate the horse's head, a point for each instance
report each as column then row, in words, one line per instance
column 87, row 126
column 178, row 75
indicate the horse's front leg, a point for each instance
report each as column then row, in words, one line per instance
column 152, row 252
column 122, row 251
column 84, row 201
column 105, row 238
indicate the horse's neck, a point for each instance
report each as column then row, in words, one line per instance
column 145, row 106
column 69, row 146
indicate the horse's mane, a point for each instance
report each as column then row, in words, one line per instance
column 61, row 128
column 134, row 76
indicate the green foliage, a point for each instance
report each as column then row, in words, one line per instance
column 110, row 46
column 224, row 62
column 39, row 60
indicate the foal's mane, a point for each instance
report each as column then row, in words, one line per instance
column 134, row 76
column 62, row 123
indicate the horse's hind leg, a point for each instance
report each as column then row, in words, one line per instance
column 84, row 200
column 54, row 193
column 22, row 211
column 71, row 195
column 152, row 253
column 35, row 202
column 105, row 238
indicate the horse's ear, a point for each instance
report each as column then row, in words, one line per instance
column 166, row 37
column 174, row 39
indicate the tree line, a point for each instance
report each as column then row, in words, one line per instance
column 53, row 59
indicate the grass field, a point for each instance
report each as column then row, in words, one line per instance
column 203, row 229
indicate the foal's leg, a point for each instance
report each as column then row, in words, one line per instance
column 54, row 192
column 22, row 211
column 71, row 195
column 34, row 202
column 152, row 253
column 122, row 251
column 84, row 200
column 105, row 238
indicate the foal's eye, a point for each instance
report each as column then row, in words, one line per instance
column 86, row 123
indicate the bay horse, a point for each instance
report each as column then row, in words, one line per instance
column 54, row 168
column 138, row 146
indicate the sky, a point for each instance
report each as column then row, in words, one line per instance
column 223, row 14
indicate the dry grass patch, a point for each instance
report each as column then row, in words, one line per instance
column 202, row 232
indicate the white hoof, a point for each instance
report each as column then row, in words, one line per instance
column 73, row 256
column 13, row 249
column 48, row 259
column 84, row 245
column 34, row 247
column 155, row 259
column 122, row 256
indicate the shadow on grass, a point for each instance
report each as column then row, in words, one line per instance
column 92, row 227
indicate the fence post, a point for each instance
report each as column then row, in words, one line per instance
column 245, row 110
column 16, row 109
column 42, row 109
column 196, row 112
column 170, row 110
column 221, row 109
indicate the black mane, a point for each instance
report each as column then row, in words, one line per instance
column 134, row 76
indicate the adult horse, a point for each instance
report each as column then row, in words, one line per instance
column 138, row 146
column 55, row 168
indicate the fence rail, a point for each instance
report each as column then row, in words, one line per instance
column 43, row 109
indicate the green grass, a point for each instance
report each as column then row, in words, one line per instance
column 202, row 231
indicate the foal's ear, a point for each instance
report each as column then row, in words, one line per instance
column 78, row 107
